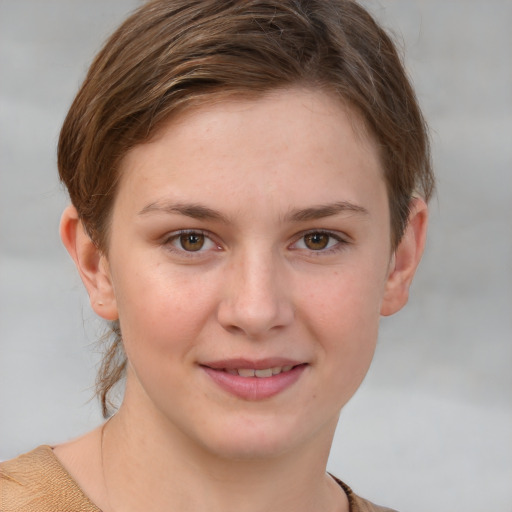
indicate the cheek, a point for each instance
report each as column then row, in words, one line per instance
column 161, row 310
column 342, row 312
column 346, row 297
column 349, row 342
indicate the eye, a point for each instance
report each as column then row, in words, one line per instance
column 190, row 241
column 319, row 241
column 316, row 241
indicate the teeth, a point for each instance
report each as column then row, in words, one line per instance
column 266, row 372
column 246, row 372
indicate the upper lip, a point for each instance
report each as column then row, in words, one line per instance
column 255, row 364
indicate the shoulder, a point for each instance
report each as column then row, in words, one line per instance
column 358, row 504
column 37, row 482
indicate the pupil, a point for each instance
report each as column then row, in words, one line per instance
column 192, row 241
column 316, row 241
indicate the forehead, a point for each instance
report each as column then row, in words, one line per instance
column 217, row 106
column 281, row 143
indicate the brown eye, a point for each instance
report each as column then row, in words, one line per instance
column 316, row 241
column 192, row 241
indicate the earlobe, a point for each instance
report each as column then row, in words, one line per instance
column 91, row 263
column 406, row 259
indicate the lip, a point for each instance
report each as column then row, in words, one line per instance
column 254, row 388
column 259, row 364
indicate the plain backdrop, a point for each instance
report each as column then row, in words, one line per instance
column 431, row 427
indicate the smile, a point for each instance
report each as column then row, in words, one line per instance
column 241, row 379
column 264, row 373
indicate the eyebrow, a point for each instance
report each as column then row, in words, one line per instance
column 325, row 210
column 200, row 212
column 193, row 210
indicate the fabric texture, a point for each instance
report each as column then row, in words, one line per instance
column 37, row 482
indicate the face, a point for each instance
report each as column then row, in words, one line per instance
column 249, row 258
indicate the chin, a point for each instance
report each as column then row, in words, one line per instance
column 259, row 438
column 247, row 447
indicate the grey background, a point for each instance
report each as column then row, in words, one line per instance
column 431, row 427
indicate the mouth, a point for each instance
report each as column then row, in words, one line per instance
column 255, row 380
column 261, row 374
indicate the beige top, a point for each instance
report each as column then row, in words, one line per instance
column 37, row 482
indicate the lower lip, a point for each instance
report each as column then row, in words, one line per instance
column 255, row 388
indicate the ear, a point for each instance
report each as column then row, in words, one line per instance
column 91, row 263
column 405, row 260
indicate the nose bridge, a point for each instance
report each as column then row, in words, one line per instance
column 255, row 299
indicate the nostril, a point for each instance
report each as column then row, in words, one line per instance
column 233, row 329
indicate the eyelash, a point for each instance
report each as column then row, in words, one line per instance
column 340, row 244
column 175, row 236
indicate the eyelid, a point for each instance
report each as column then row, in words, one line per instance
column 170, row 237
column 341, row 239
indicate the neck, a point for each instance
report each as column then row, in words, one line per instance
column 165, row 470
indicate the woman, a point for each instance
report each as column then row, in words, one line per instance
column 248, row 183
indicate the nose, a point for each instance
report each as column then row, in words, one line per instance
column 256, row 299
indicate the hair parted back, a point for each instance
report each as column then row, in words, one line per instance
column 171, row 54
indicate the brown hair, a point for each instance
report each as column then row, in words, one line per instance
column 170, row 54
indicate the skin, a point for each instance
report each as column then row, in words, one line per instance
column 261, row 286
